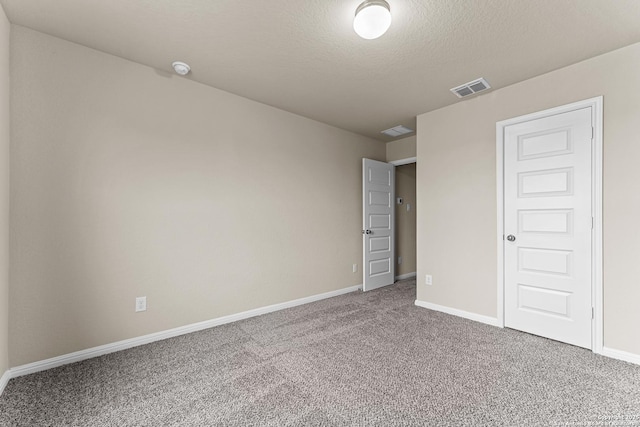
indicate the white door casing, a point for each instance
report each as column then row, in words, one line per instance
column 378, row 196
column 547, row 224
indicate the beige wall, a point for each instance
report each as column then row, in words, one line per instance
column 406, row 220
column 127, row 182
column 457, row 178
column 400, row 149
column 4, row 191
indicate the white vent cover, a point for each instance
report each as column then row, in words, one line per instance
column 470, row 88
column 397, row 131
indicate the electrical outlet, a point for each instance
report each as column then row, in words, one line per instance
column 399, row 260
column 141, row 304
column 428, row 280
column 355, row 268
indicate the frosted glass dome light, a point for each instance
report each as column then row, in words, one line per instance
column 373, row 18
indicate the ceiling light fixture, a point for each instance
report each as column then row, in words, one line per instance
column 373, row 18
column 181, row 68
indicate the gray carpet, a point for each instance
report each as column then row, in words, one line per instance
column 356, row 360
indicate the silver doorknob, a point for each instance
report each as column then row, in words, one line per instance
column 367, row 232
column 511, row 238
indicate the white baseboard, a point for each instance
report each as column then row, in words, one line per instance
column 460, row 313
column 4, row 379
column 621, row 355
column 406, row 276
column 146, row 339
column 607, row 352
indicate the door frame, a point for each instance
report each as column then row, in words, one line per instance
column 396, row 163
column 596, row 105
column 402, row 162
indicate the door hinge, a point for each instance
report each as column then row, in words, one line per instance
column 593, row 312
column 592, row 222
column 593, row 132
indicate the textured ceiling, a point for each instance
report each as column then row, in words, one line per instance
column 303, row 56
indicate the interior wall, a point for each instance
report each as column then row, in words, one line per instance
column 128, row 181
column 457, row 177
column 406, row 219
column 4, row 191
column 400, row 149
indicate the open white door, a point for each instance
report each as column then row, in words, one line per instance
column 378, row 195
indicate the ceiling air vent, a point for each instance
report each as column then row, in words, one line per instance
column 470, row 88
column 397, row 131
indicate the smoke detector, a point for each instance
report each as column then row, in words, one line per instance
column 475, row 86
column 181, row 68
